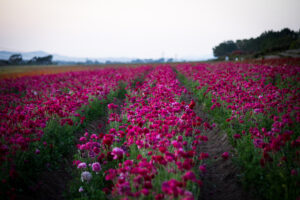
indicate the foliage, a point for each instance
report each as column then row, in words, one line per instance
column 267, row 42
column 15, row 59
column 46, row 60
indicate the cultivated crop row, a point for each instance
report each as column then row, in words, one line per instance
column 151, row 150
column 258, row 106
column 152, row 145
column 40, row 114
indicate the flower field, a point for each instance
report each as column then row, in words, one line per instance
column 258, row 106
column 152, row 145
column 39, row 115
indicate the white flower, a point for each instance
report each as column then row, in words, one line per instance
column 86, row 176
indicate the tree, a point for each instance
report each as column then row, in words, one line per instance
column 224, row 49
column 267, row 42
column 46, row 60
column 15, row 59
column 169, row 60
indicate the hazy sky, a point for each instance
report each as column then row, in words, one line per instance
column 138, row 28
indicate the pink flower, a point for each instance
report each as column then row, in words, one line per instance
column 203, row 138
column 189, row 176
column 225, row 155
column 159, row 197
column 111, row 174
column 82, row 139
column 76, row 162
column 202, row 168
column 203, row 156
column 237, row 136
column 171, row 187
column 192, row 104
column 145, row 191
column 96, row 150
column 108, row 140
column 94, row 136
column 112, row 106
column 117, row 153
column 81, row 165
column 96, row 167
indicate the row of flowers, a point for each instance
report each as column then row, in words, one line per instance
column 152, row 149
column 31, row 105
column 260, row 111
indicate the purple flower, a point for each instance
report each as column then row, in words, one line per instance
column 81, row 189
column 37, row 151
column 117, row 153
column 96, row 167
column 81, row 165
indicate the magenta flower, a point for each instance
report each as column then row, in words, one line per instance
column 112, row 106
column 202, row 168
column 145, row 191
column 81, row 165
column 94, row 136
column 96, row 167
column 82, row 139
column 189, row 176
column 203, row 156
column 117, row 153
column 225, row 155
column 237, row 136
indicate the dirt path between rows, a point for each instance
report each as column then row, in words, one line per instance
column 220, row 181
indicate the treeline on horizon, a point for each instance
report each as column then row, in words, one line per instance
column 16, row 59
column 267, row 43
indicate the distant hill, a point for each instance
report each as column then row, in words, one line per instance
column 4, row 55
